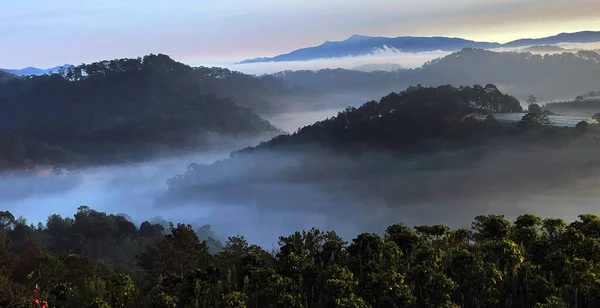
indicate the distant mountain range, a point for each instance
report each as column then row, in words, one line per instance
column 358, row 45
column 553, row 76
column 34, row 70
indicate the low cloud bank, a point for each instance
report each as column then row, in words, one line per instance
column 384, row 56
column 279, row 193
column 381, row 58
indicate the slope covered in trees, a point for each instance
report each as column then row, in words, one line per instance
column 100, row 260
column 263, row 94
column 402, row 122
column 124, row 109
column 548, row 77
column 417, row 152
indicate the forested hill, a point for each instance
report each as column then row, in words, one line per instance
column 415, row 149
column 263, row 94
column 402, row 120
column 548, row 77
column 420, row 119
column 123, row 109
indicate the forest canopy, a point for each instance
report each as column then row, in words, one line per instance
column 123, row 109
column 102, row 260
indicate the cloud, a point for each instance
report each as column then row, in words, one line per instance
column 80, row 31
column 380, row 56
column 383, row 55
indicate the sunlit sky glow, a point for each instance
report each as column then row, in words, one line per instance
column 49, row 33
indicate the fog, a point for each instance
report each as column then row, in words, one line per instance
column 281, row 192
column 384, row 55
column 384, row 58
column 278, row 193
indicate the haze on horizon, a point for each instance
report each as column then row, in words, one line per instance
column 46, row 34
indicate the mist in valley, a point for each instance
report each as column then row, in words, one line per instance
column 284, row 192
column 297, row 154
column 381, row 58
column 280, row 192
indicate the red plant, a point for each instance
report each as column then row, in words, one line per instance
column 37, row 302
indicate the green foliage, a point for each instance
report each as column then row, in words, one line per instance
column 186, row 252
column 120, row 290
column 234, row 300
column 163, row 300
column 99, row 303
column 532, row 262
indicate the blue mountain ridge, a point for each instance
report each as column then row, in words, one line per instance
column 357, row 45
column 34, row 70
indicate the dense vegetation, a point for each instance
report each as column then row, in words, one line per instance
column 100, row 260
column 409, row 121
column 122, row 109
column 435, row 112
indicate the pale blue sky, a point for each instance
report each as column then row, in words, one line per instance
column 53, row 32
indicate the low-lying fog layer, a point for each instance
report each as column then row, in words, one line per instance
column 381, row 58
column 383, row 55
column 283, row 193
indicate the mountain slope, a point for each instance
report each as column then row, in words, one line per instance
column 263, row 94
column 124, row 109
column 412, row 154
column 358, row 45
column 577, row 37
column 401, row 122
column 548, row 77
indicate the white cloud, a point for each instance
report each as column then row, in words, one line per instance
column 384, row 55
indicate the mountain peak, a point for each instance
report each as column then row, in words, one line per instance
column 357, row 45
column 357, row 36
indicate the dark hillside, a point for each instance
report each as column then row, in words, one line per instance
column 123, row 109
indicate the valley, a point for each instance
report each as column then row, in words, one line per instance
column 469, row 180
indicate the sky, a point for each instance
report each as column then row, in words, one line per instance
column 200, row 32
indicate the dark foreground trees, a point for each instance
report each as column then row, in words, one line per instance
column 532, row 262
